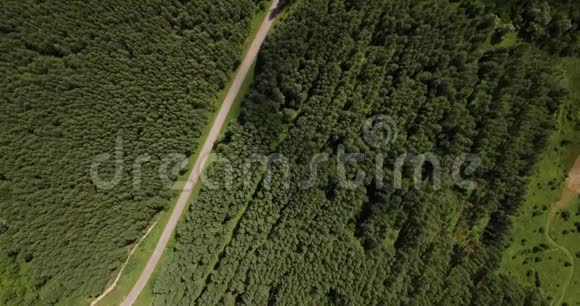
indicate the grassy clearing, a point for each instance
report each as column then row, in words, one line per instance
column 138, row 261
column 530, row 258
column 509, row 40
column 567, row 233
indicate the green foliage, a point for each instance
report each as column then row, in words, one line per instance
column 78, row 76
column 75, row 77
column 327, row 68
column 551, row 24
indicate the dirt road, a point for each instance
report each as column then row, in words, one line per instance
column 118, row 277
column 205, row 151
column 570, row 192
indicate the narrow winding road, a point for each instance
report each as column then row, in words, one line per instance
column 204, row 153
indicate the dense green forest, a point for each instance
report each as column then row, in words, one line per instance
column 133, row 79
column 454, row 80
column 125, row 85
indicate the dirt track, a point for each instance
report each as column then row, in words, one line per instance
column 569, row 194
column 572, row 188
column 118, row 277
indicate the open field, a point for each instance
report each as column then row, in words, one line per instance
column 566, row 233
column 530, row 257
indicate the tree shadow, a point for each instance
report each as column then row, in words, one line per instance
column 277, row 10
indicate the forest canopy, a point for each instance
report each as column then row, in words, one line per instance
column 83, row 78
column 130, row 83
column 329, row 66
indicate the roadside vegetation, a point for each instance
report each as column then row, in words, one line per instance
column 139, row 259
